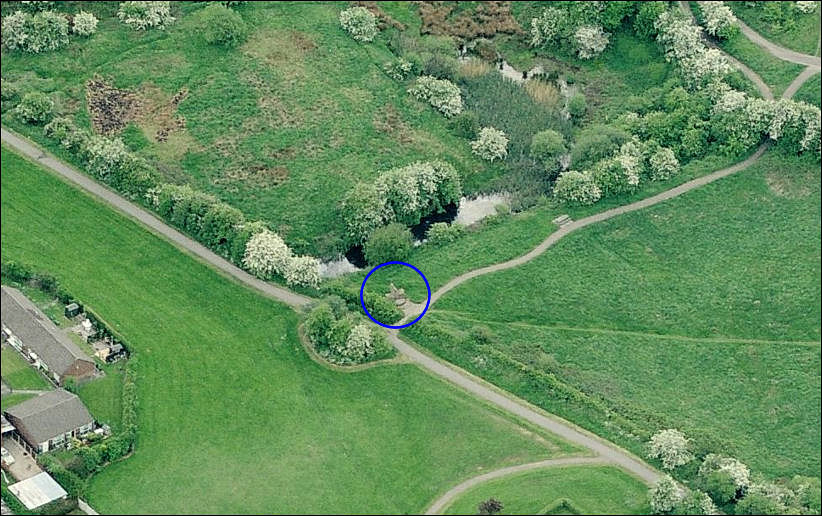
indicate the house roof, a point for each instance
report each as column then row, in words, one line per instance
column 38, row 333
column 37, row 490
column 48, row 415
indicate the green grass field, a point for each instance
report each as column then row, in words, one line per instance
column 226, row 392
column 280, row 127
column 590, row 489
column 721, row 285
column 804, row 37
column 18, row 373
column 810, row 91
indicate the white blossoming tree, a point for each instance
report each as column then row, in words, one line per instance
column 720, row 21
column 358, row 346
column 545, row 29
column 807, row 7
column 576, row 187
column 591, row 40
column 683, row 44
column 303, row 271
column 85, row 24
column 360, row 23
column 103, row 155
column 442, row 94
column 739, row 472
column 664, row 495
column 662, row 164
column 42, row 32
column 266, row 254
column 145, row 15
column 671, row 447
column 491, row 144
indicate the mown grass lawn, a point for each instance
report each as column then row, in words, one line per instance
column 18, row 373
column 280, row 127
column 614, row 310
column 810, row 91
column 590, row 489
column 233, row 416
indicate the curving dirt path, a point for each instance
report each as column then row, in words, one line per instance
column 444, row 500
column 777, row 51
column 797, row 83
column 27, row 148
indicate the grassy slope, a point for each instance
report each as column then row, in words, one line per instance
column 14, row 399
column 803, row 38
column 226, row 391
column 810, row 91
column 299, row 94
column 732, row 259
column 19, row 374
column 592, row 490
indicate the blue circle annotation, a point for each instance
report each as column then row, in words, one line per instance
column 427, row 302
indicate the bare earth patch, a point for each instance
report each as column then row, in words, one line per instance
column 110, row 108
column 283, row 50
column 389, row 121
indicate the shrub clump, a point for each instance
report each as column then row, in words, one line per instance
column 441, row 233
column 387, row 243
column 671, row 447
column 35, row 108
column 662, row 164
column 547, row 146
column 591, row 40
column 42, row 32
column 491, row 144
column 360, row 23
column 341, row 337
column 720, row 21
column 577, row 105
column 577, row 188
column 404, row 194
column 442, row 94
column 145, row 15
column 85, row 24
column 267, row 255
column 399, row 70
column 223, row 26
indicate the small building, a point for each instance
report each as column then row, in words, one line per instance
column 29, row 331
column 72, row 310
column 49, row 421
column 37, row 491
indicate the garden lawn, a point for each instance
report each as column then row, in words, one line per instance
column 803, row 37
column 280, row 127
column 701, row 313
column 14, row 399
column 18, row 373
column 589, row 489
column 233, row 416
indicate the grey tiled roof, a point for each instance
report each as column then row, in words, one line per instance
column 38, row 333
column 46, row 416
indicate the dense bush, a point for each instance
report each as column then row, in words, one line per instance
column 381, row 308
column 442, row 94
column 267, row 255
column 41, row 32
column 441, row 66
column 466, row 125
column 399, row 69
column 222, row 26
column 738, row 472
column 145, row 15
column 664, row 495
column 84, row 24
column 340, row 337
column 360, row 23
column 35, row 108
column 491, row 144
column 695, row 502
column 597, row 142
column 719, row 20
column 646, row 16
column 404, row 194
column 388, row 243
column 590, row 40
column 104, row 155
column 613, row 178
column 670, row 447
column 662, row 164
column 303, row 271
column 683, row 44
column 807, row 7
column 577, row 105
column 577, row 188
column 547, row 146
column 546, row 28
column 363, row 210
column 441, row 233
